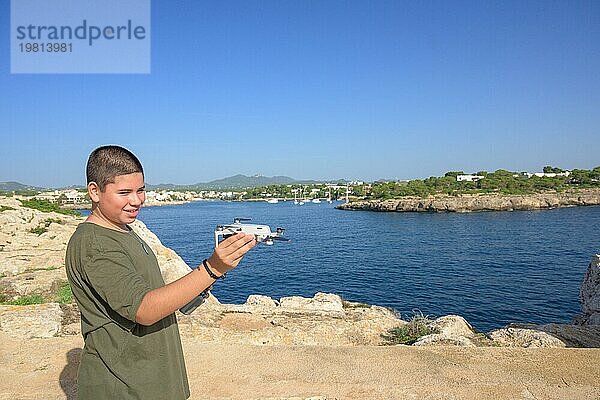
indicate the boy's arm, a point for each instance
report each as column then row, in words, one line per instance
column 160, row 302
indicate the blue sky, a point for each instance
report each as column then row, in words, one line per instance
column 322, row 90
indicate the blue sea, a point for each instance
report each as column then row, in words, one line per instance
column 493, row 268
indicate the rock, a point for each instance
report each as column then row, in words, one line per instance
column 437, row 339
column 21, row 250
column 296, row 321
column 71, row 329
column 46, row 283
column 517, row 336
column 570, row 335
column 321, row 302
column 590, row 294
column 33, row 321
column 260, row 301
column 451, row 330
column 593, row 319
column 371, row 312
column 453, row 325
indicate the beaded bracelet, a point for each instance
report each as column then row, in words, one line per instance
column 210, row 273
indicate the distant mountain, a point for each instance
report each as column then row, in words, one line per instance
column 17, row 187
column 232, row 182
column 243, row 181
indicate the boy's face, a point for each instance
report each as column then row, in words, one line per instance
column 120, row 201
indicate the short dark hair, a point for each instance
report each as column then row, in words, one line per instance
column 107, row 162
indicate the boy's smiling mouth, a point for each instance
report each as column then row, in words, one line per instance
column 132, row 212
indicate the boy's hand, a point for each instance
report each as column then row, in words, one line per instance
column 230, row 252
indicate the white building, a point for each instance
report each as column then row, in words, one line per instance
column 548, row 174
column 468, row 178
column 69, row 196
column 75, row 197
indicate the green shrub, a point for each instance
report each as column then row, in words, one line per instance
column 65, row 295
column 43, row 226
column 352, row 304
column 410, row 333
column 5, row 208
column 50, row 268
column 38, row 230
column 26, row 300
column 46, row 206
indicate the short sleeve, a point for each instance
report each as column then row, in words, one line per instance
column 113, row 276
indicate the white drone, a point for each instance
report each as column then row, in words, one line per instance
column 262, row 233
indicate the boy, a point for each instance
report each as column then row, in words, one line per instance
column 132, row 347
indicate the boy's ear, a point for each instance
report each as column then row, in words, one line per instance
column 94, row 192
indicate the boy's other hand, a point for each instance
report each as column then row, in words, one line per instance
column 230, row 252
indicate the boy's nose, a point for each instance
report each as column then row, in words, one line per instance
column 135, row 199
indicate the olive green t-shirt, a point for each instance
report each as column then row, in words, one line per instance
column 110, row 272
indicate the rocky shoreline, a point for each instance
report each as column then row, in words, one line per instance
column 479, row 202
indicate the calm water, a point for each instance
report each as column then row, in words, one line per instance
column 492, row 268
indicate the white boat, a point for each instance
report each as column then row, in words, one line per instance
column 272, row 201
column 297, row 201
column 316, row 201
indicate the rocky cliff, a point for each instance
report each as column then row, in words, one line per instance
column 479, row 202
column 32, row 246
column 590, row 294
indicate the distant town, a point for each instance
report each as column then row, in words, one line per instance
column 78, row 198
column 452, row 183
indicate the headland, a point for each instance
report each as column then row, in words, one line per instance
column 479, row 202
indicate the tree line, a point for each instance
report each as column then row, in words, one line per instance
column 500, row 181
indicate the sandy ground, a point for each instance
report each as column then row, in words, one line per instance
column 46, row 369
